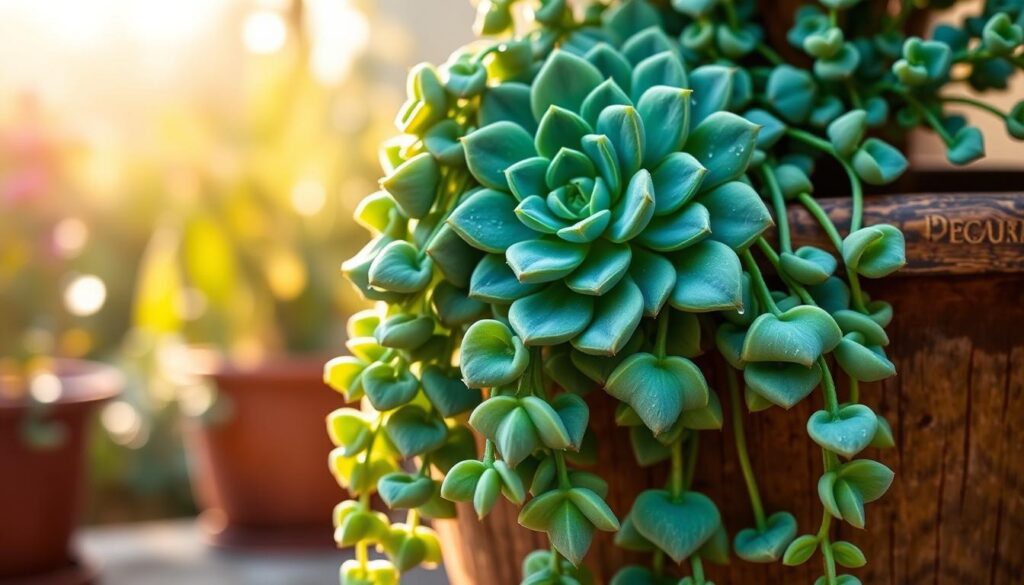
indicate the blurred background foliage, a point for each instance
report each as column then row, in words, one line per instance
column 183, row 174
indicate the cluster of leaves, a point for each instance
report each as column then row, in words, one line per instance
column 578, row 208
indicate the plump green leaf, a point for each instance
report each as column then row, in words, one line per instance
column 604, row 267
column 625, row 130
column 878, row 162
column 401, row 490
column 709, row 278
column 487, row 221
column 723, row 143
column 491, row 355
column 415, row 431
column 551, row 316
column 559, row 128
column 494, row 282
column 492, row 149
column 738, row 215
column 712, row 88
column 791, row 91
column 678, row 526
column 413, row 184
column 800, row 335
column 565, row 80
column 665, row 112
column 800, row 550
column 388, row 387
column 655, row 276
column 659, row 390
column 616, row 316
column 400, row 268
column 847, row 433
column 780, row 383
column 769, row 545
column 875, row 251
column 676, row 180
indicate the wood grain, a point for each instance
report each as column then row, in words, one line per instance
column 955, row 513
column 949, row 233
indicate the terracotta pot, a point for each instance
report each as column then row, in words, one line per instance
column 260, row 474
column 41, row 488
column 955, row 513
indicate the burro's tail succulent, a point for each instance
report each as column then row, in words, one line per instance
column 591, row 202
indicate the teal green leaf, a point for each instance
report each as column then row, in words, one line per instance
column 847, row 433
column 490, row 150
column 403, row 490
column 723, row 143
column 655, row 276
column 565, row 80
column 808, row 265
column 589, row 229
column 614, row 68
column 413, row 184
column 605, row 95
column 676, row 180
column 867, row 363
column 878, row 162
column 791, row 92
column 534, row 212
column 616, row 316
column 494, row 282
column 780, row 383
column 378, row 212
column 461, row 480
column 507, row 102
column 629, row 18
column 738, row 215
column 675, row 231
column 575, row 415
column 665, row 112
column 487, row 220
column 415, row 431
column 594, row 508
column 968, row 145
column 847, row 131
column 658, row 389
column 708, row 418
column 634, row 209
column 399, row 268
column 453, row 256
column 404, row 331
column 388, row 387
column 677, row 526
column 875, row 251
column 449, row 396
column 709, row 278
column 665, row 68
column 349, row 430
column 559, row 128
column 538, row 261
column 454, row 307
column 491, row 355
column 601, row 152
column 549, row 426
column 568, row 529
column 624, row 128
column 712, row 88
column 772, row 128
column 551, row 316
column 800, row 336
column 848, row 555
column 605, row 265
column 766, row 546
column 568, row 164
column 486, row 494
column 647, row 43
column 528, row 177
column 800, row 550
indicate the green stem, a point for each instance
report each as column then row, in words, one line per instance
column 856, row 189
column 675, row 482
column 828, row 387
column 662, row 337
column 854, row 390
column 488, row 452
column 769, row 53
column 658, row 562
column 412, row 519
column 363, row 555
column 930, row 116
column 827, row 558
column 760, row 287
column 856, row 294
column 854, row 94
column 556, row 561
column 692, row 450
column 823, row 219
column 779, row 203
column 563, row 470
column 795, row 287
column 741, row 450
column 730, row 14
column 698, row 568
column 975, row 103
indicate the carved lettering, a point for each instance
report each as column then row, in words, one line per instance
column 939, row 228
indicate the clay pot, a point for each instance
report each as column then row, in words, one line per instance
column 955, row 513
column 260, row 470
column 42, row 487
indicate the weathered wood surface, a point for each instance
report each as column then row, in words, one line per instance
column 954, row 233
column 955, row 513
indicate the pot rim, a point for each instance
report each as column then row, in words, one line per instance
column 82, row 382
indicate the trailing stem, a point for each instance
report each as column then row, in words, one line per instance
column 741, row 450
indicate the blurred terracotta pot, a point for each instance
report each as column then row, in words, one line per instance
column 260, row 468
column 42, row 486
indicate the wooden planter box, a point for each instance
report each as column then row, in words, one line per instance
column 955, row 513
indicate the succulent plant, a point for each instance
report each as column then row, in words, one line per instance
column 584, row 202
